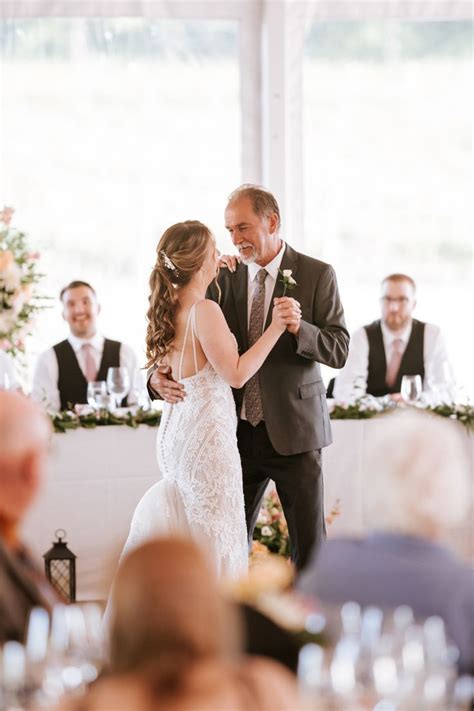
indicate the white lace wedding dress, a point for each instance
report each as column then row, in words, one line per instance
column 201, row 492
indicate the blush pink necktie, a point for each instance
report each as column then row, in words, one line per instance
column 395, row 360
column 89, row 362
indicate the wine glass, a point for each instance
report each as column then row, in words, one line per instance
column 97, row 394
column 411, row 388
column 118, row 384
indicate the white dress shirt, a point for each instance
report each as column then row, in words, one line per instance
column 45, row 379
column 8, row 378
column 351, row 382
column 269, row 284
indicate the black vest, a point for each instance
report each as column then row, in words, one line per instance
column 72, row 384
column 412, row 360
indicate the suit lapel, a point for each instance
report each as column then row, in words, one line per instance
column 240, row 290
column 289, row 261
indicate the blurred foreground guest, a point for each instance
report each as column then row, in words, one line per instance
column 24, row 436
column 381, row 353
column 175, row 643
column 63, row 371
column 416, row 489
column 8, row 378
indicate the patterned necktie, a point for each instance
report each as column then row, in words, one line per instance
column 253, row 398
column 395, row 360
column 89, row 362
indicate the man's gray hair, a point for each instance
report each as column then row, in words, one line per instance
column 416, row 473
column 263, row 202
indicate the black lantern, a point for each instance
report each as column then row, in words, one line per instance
column 60, row 567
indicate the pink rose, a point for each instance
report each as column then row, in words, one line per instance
column 6, row 215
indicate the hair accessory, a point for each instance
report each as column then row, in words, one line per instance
column 167, row 261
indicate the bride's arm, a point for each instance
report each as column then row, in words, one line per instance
column 220, row 347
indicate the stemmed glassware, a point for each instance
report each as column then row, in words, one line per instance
column 118, row 384
column 384, row 664
column 97, row 394
column 411, row 388
column 140, row 391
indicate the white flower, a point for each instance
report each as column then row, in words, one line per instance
column 263, row 516
column 287, row 273
column 290, row 278
column 267, row 531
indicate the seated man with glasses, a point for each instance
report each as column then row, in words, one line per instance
column 381, row 353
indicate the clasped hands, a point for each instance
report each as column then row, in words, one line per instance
column 288, row 309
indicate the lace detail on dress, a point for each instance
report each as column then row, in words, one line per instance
column 201, row 493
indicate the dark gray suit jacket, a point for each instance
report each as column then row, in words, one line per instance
column 293, row 393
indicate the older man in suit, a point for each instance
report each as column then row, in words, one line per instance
column 24, row 438
column 283, row 418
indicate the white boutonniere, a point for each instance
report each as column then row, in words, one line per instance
column 287, row 280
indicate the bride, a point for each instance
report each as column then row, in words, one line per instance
column 201, row 493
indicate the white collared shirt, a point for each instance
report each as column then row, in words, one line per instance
column 45, row 378
column 351, row 382
column 272, row 269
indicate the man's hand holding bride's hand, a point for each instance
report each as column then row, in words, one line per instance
column 288, row 312
column 167, row 388
column 229, row 261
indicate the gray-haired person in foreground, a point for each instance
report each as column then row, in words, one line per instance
column 416, row 490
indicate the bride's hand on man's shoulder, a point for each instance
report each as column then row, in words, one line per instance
column 166, row 386
column 229, row 261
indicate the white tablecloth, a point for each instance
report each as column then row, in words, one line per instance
column 96, row 478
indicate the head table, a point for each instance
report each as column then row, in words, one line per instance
column 96, row 478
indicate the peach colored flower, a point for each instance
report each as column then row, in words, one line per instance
column 6, row 215
column 27, row 290
column 6, row 260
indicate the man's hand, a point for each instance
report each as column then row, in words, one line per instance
column 164, row 384
column 290, row 310
column 229, row 261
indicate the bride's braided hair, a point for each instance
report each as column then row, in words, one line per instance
column 180, row 254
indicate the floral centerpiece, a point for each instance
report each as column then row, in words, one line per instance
column 19, row 300
column 271, row 530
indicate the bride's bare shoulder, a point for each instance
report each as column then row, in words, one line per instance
column 208, row 307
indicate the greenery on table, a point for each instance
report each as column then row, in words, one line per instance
column 368, row 407
column 362, row 409
column 64, row 421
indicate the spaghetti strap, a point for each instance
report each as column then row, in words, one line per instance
column 181, row 358
column 193, row 334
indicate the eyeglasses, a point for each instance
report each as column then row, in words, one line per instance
column 400, row 300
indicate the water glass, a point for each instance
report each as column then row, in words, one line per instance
column 139, row 390
column 5, row 382
column 97, row 394
column 411, row 388
column 118, row 384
